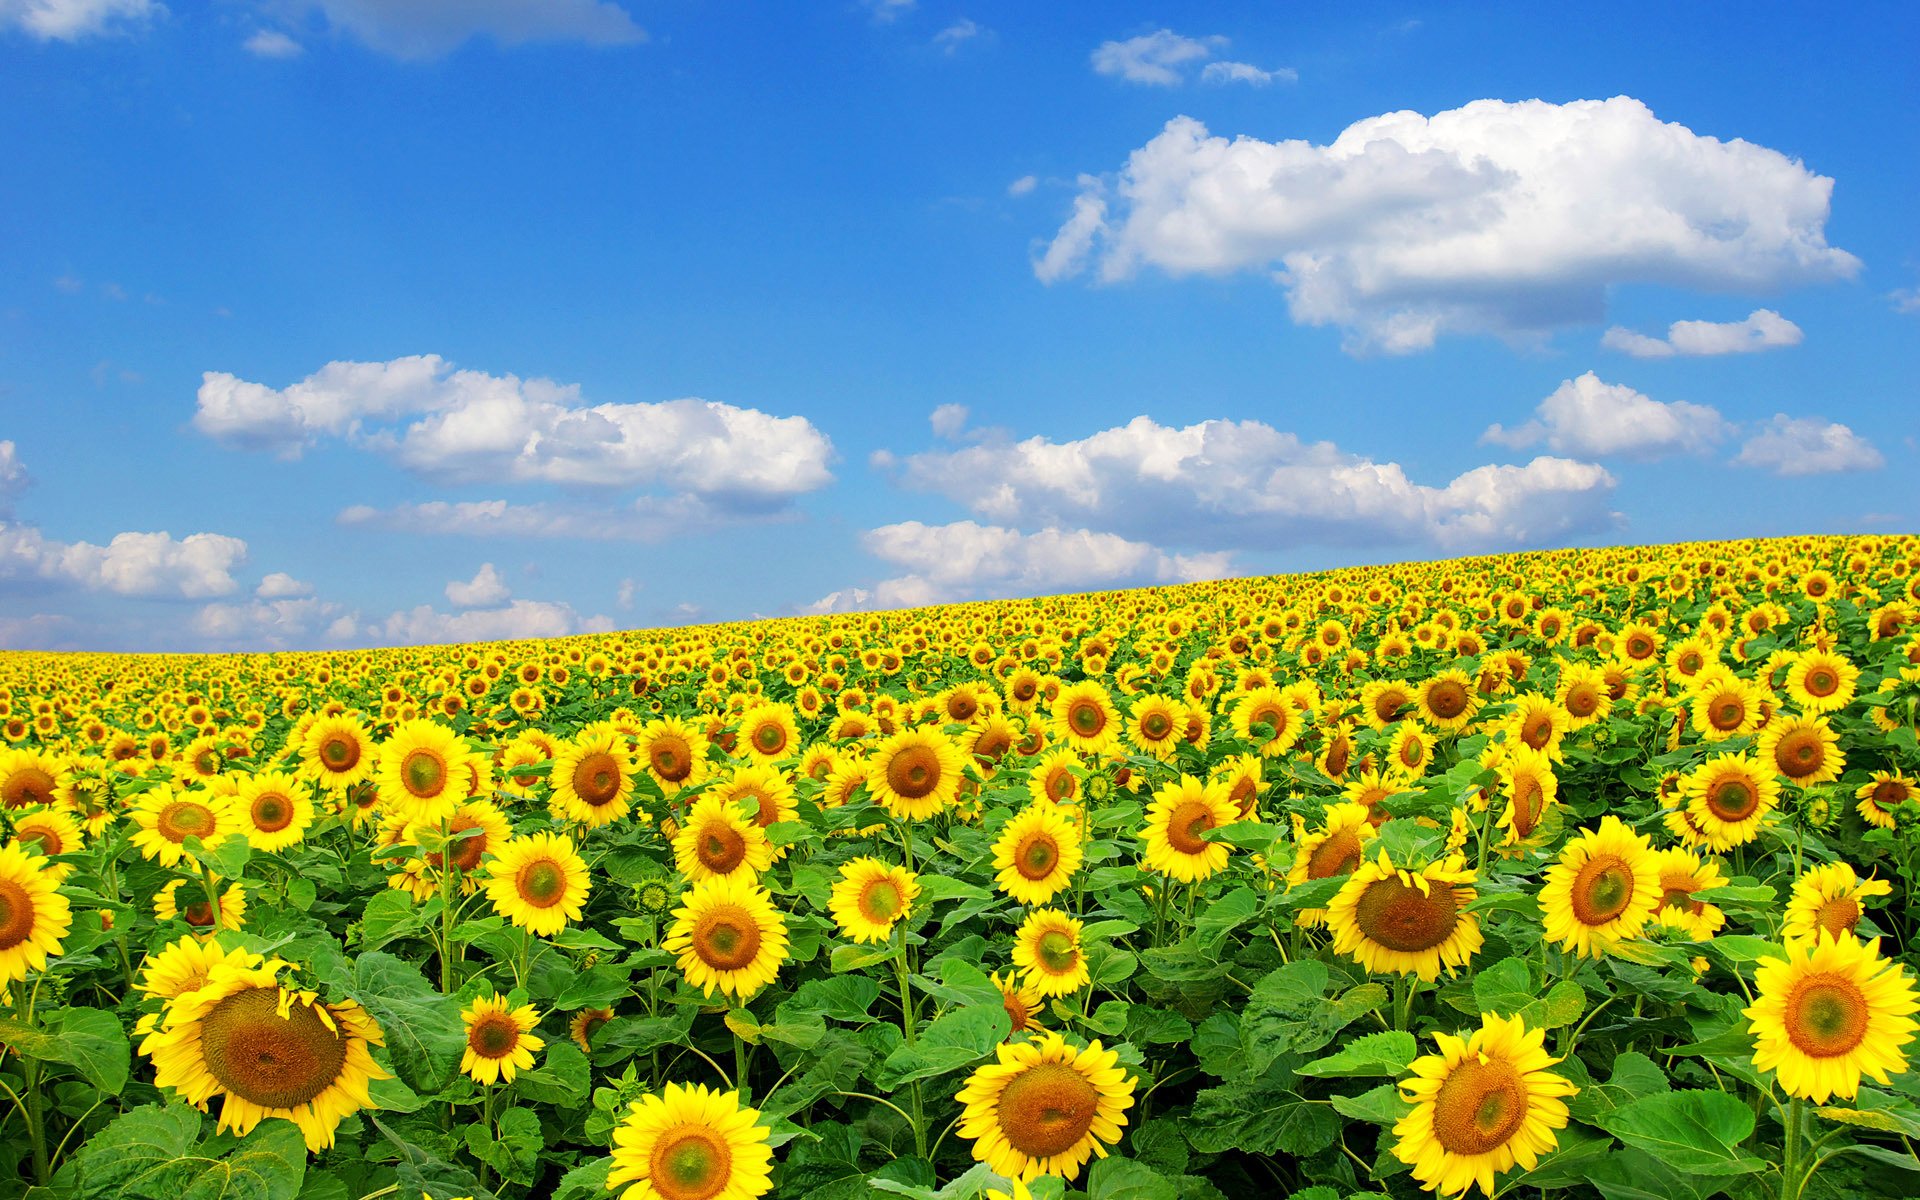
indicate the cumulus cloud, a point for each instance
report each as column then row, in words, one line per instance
column 520, row 619
column 886, row 12
column 1247, row 73
column 1023, row 185
column 966, row 560
column 1159, row 59
column 1496, row 217
column 281, row 586
column 1587, row 416
column 13, row 477
column 1795, row 446
column 156, row 565
column 1906, row 300
column 270, row 624
column 1763, row 329
column 72, row 20
column 647, row 519
column 948, row 420
column 1227, row 485
column 463, row 426
column 422, row 29
column 485, row 590
column 957, row 35
column 271, row 43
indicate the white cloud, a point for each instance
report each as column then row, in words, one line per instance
column 1247, row 73
column 276, row 624
column 1227, row 485
column 625, row 596
column 281, row 586
column 948, row 420
column 71, row 20
column 40, row 631
column 1158, row 58
column 967, row 560
column 485, row 590
column 1023, row 185
column 1500, row 218
column 647, row 519
column 1906, row 300
column 271, row 43
column 132, row 564
column 419, row 29
column 13, row 477
column 957, row 35
column 886, row 12
column 520, row 619
column 1794, row 446
column 472, row 427
column 1763, row 329
column 1589, row 417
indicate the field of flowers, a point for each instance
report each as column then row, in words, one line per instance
column 1584, row 873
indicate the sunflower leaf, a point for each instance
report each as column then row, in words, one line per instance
column 90, row 1040
column 423, row 1029
column 1695, row 1131
column 1385, row 1053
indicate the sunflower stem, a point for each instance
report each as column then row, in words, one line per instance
column 907, row 1022
column 447, row 948
column 36, row 1125
column 211, row 882
column 1790, row 1153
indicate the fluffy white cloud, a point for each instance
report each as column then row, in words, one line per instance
column 132, row 564
column 1587, row 416
column 472, row 427
column 1906, row 300
column 886, row 12
column 484, row 590
column 520, row 619
column 1227, row 485
column 966, row 560
column 13, row 477
column 1247, row 73
column 281, row 586
column 645, row 520
column 1023, row 185
column 417, row 29
column 1793, row 446
column 271, row 624
column 1159, row 58
column 1507, row 218
column 39, row 631
column 71, row 20
column 271, row 43
column 948, row 420
column 1763, row 329
column 957, row 35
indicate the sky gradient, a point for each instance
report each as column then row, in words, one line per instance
column 342, row 323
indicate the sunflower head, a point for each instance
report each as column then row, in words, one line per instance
column 691, row 1143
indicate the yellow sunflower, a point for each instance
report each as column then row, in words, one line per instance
column 691, row 1143
column 1448, row 701
column 1044, row 1107
column 1084, row 717
column 1530, row 787
column 1682, row 873
column 1338, row 847
column 1727, row 797
column 31, row 778
column 1604, row 889
column 167, row 818
column 1155, row 725
column 1055, row 776
column 422, row 773
column 1583, row 694
column 1537, row 723
column 274, row 810
column 1047, row 950
column 1802, row 750
column 1410, row 751
column 1483, row 1104
column 593, row 777
column 1180, row 813
column 915, row 773
column 1724, row 706
column 1830, row 898
column 1880, row 795
column 169, row 904
column 1822, row 681
column 717, row 840
column 337, row 752
column 48, row 832
column 34, row 916
column 770, row 732
column 871, row 897
column 585, row 1024
column 1407, row 922
column 539, row 882
column 500, row 1039
column 728, row 936
column 1274, row 709
column 180, row 967
column 1036, row 854
column 265, row 1051
column 674, row 752
column 1023, row 1003
column 1830, row 1012
column 478, row 828
column 1384, row 701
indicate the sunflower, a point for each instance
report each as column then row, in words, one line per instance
column 1530, row 787
column 49, row 832
column 1154, row 726
column 674, row 752
column 1037, row 853
column 916, row 773
column 1055, row 777
column 1604, row 889
column 1084, row 717
column 1273, row 709
column 539, row 882
column 1829, row 1012
column 267, row 1051
column 500, row 1039
column 585, row 1024
column 871, row 897
column 989, row 740
column 478, row 828
column 717, row 840
column 1243, row 776
column 1582, row 693
column 1830, row 898
column 274, row 810
column 422, row 772
column 1407, row 922
column 337, row 752
column 31, row 778
column 1044, row 1108
column 1047, row 950
column 728, row 935
column 1337, row 848
column 1370, row 787
column 691, row 1143
column 1180, row 813
column 167, row 818
column 1448, row 701
column 1802, row 750
column 181, row 967
column 1880, row 795
column 1410, row 751
column 1724, row 706
column 593, row 777
column 1682, row 873
column 1022, row 1001
column 1537, row 723
column 1481, row 1105
column 766, row 791
column 34, row 916
column 1726, row 798
column 1383, row 701
column 1822, row 681
column 195, row 909
column 770, row 732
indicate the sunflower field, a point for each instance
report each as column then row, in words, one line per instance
column 1581, row 873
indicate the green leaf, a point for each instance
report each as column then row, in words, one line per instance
column 1691, row 1131
column 596, row 987
column 1380, row 1106
column 1562, row 1005
column 1635, row 1076
column 1128, row 1179
column 848, row 998
column 585, row 1182
column 423, row 1029
column 1505, row 988
column 137, row 1148
column 156, row 1153
column 1386, row 1053
column 268, row 1164
column 422, row 1171
column 563, row 1079
column 390, row 916
column 1225, row 915
column 90, row 1040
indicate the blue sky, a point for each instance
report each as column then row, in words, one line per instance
column 344, row 322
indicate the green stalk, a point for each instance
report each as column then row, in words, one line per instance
column 907, row 1022
column 1790, row 1153
column 211, row 882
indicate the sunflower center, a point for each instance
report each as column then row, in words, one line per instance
column 1037, row 856
column 1839, row 915
column 1155, row 726
column 727, row 938
column 880, row 902
column 184, row 819
column 1447, row 699
column 690, row 1162
column 672, row 759
column 1413, row 752
column 992, row 747
column 1388, row 705
column 1188, row 821
column 721, row 848
column 914, row 772
column 1799, row 754
column 1401, row 917
column 466, row 851
column 1047, row 1109
column 1272, row 716
column 1602, row 890
column 16, row 914
column 1244, row 792
column 1826, row 1015
column 272, row 812
column 1017, row 1010
column 1821, row 682
column 1732, row 799
column 1337, row 855
column 1086, row 718
column 423, row 773
column 597, row 778
column 962, row 708
column 1480, row 1106
column 1056, row 951
column 1060, row 784
column 769, row 738
column 270, row 1060
column 340, row 753
column 542, row 883
column 1888, row 793
column 1727, row 713
column 1679, row 894
column 1528, row 800
column 1582, row 700
column 494, row 1036
column 40, row 839
column 1537, row 732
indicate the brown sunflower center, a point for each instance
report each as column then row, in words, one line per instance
column 1582, row 699
column 1678, row 893
column 1826, row 1015
column 1537, row 731
column 467, row 850
column 1189, row 819
column 720, row 848
column 16, row 914
column 1060, row 784
column 1047, row 1108
column 1058, row 951
column 1821, row 682
column 1017, row 1010
column 597, row 778
column 541, row 883
column 1727, row 713
column 340, row 752
column 1339, row 755
column 690, row 1162
column 1401, row 917
column 1387, row 705
column 671, row 757
column 1838, row 915
column 1479, row 1107
column 1037, row 855
column 1528, row 801
column 1447, row 699
column 1338, row 854
column 1155, row 726
column 273, row 1061
column 494, row 1035
column 992, row 746
column 961, row 707
column 726, row 938
column 1888, row 793
column 1413, row 752
column 40, row 839
column 1732, row 799
column 881, row 902
column 1602, row 890
column 1245, row 792
column 272, row 812
column 423, row 772
column 1086, row 718
column 1799, row 754
column 184, row 819
column 914, row 772
column 769, row 738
